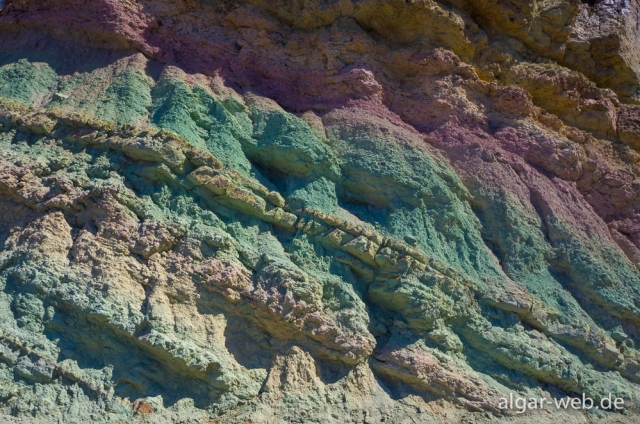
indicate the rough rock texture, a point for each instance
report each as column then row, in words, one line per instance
column 318, row 211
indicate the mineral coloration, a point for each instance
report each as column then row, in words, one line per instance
column 319, row 211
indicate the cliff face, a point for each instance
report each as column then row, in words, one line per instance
column 318, row 211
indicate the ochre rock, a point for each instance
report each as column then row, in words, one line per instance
column 324, row 211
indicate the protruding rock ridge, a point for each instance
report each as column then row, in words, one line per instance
column 320, row 211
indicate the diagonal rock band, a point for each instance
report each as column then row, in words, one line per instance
column 320, row 211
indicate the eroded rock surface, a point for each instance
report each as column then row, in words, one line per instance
column 320, row 211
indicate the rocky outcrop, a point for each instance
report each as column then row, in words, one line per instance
column 321, row 211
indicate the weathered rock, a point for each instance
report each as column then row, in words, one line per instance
column 319, row 211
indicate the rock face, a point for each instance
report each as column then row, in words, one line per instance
column 321, row 211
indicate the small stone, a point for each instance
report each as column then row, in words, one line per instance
column 411, row 241
column 141, row 407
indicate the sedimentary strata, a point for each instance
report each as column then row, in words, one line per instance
column 321, row 211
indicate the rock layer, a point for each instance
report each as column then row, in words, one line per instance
column 320, row 211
